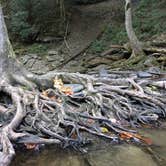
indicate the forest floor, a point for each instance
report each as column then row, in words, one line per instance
column 96, row 39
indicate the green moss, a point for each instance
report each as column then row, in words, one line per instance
column 36, row 48
column 97, row 46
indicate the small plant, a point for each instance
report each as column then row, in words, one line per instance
column 37, row 48
column 97, row 46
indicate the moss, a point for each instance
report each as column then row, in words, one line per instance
column 36, row 48
column 97, row 46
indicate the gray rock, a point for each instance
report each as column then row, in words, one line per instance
column 103, row 72
column 75, row 87
column 51, row 58
column 35, row 56
column 25, row 59
column 39, row 67
column 30, row 63
column 149, row 62
column 52, row 52
column 143, row 74
column 48, row 39
column 154, row 70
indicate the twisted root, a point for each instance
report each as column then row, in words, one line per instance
column 106, row 102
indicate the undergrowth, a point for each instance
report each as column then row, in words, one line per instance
column 148, row 20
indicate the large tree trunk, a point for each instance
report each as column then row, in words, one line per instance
column 10, row 68
column 11, row 73
column 6, row 50
column 134, row 42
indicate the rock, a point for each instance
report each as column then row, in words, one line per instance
column 48, row 39
column 75, row 87
column 25, row 59
column 54, row 56
column 52, row 52
column 39, row 67
column 30, row 63
column 34, row 56
column 121, row 155
column 143, row 74
column 51, row 58
column 29, row 57
column 149, row 62
column 103, row 72
column 154, row 70
column 78, row 94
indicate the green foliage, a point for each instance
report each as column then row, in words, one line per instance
column 113, row 34
column 148, row 20
column 116, row 34
column 85, row 1
column 97, row 46
column 29, row 18
column 22, row 19
column 37, row 48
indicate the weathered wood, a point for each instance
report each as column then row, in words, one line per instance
column 134, row 42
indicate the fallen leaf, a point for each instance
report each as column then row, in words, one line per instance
column 30, row 146
column 126, row 135
column 58, row 83
column 104, row 130
column 45, row 93
column 148, row 141
column 66, row 90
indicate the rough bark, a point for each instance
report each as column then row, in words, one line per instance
column 134, row 42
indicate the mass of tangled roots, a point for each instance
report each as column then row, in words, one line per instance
column 106, row 106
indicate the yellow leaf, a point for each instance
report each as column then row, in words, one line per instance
column 104, row 130
column 44, row 93
column 58, row 83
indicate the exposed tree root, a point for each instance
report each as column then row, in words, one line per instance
column 52, row 117
column 132, row 62
column 158, row 53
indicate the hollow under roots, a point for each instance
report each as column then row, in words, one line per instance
column 107, row 106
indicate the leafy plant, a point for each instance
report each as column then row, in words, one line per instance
column 97, row 46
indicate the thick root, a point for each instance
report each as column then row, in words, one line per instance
column 102, row 107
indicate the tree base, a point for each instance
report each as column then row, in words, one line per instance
column 103, row 107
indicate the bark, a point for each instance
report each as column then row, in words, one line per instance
column 134, row 42
column 7, row 56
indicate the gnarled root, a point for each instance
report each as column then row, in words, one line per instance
column 106, row 103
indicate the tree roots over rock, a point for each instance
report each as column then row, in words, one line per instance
column 106, row 106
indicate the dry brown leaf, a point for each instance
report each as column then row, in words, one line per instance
column 127, row 135
column 30, row 146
